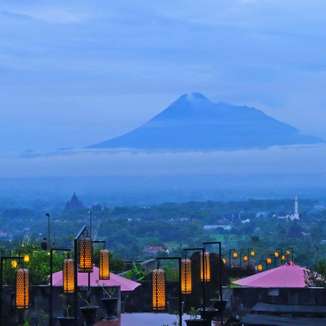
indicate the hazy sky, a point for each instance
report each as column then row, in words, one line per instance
column 76, row 72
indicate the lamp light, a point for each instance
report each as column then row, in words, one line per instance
column 207, row 277
column 68, row 276
column 186, row 281
column 85, row 255
column 22, row 289
column 158, row 290
column 14, row 264
column 104, row 264
column 260, row 267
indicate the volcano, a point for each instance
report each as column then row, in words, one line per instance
column 193, row 122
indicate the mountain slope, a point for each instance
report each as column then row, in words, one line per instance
column 195, row 123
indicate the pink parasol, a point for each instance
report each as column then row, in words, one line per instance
column 284, row 276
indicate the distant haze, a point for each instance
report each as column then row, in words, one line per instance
column 78, row 72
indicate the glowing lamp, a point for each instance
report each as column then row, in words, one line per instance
column 104, row 264
column 85, row 255
column 235, row 254
column 252, row 253
column 276, row 254
column 68, row 276
column 26, row 259
column 158, row 290
column 268, row 261
column 245, row 258
column 22, row 289
column 260, row 267
column 224, row 261
column 283, row 258
column 186, row 282
column 205, row 267
column 14, row 264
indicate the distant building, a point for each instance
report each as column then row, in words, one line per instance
column 217, row 226
column 154, row 250
column 296, row 215
column 74, row 203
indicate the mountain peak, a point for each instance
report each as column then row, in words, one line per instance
column 194, row 96
column 193, row 122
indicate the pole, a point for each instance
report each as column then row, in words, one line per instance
column 51, row 283
column 90, row 222
column 1, row 284
column 203, row 283
column 1, row 281
column 51, row 288
column 79, row 234
column 49, row 231
column 220, row 273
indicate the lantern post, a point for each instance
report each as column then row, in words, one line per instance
column 51, row 282
column 203, row 282
column 233, row 254
column 220, row 270
column 178, row 259
column 82, row 234
column 290, row 252
column 13, row 258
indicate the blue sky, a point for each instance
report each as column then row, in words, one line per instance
column 73, row 73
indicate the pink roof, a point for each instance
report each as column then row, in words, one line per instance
column 284, row 276
column 125, row 284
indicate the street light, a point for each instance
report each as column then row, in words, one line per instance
column 14, row 264
column 68, row 276
column 186, row 280
column 252, row 252
column 104, row 265
column 260, row 267
column 159, row 287
column 22, row 288
column 26, row 259
column 202, row 263
column 85, row 255
column 158, row 290
column 205, row 267
column 220, row 271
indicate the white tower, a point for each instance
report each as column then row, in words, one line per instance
column 296, row 215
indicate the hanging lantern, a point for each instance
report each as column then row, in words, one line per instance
column 85, row 255
column 235, row 254
column 224, row 260
column 245, row 258
column 186, row 281
column 22, row 289
column 68, row 276
column 283, row 258
column 158, row 290
column 252, row 253
column 205, row 268
column 277, row 254
column 260, row 267
column 268, row 261
column 26, row 259
column 104, row 264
